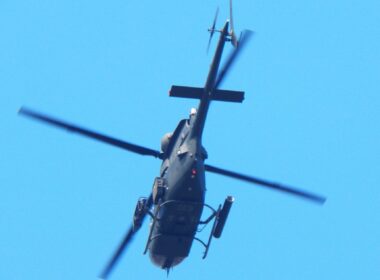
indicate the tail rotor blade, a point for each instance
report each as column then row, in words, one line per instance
column 245, row 36
column 232, row 32
column 250, row 179
column 234, row 40
column 212, row 29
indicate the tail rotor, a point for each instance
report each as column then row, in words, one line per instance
column 212, row 28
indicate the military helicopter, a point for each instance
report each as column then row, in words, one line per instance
column 177, row 200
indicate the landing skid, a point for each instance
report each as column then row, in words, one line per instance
column 214, row 216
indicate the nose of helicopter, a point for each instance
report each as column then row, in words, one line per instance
column 165, row 262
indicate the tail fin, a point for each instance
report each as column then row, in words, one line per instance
column 197, row 93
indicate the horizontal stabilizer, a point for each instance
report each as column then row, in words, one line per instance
column 197, row 93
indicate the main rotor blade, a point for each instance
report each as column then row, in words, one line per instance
column 115, row 258
column 290, row 190
column 123, row 245
column 89, row 133
column 232, row 58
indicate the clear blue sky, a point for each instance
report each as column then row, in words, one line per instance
column 310, row 119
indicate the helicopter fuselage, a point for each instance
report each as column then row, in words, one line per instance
column 178, row 211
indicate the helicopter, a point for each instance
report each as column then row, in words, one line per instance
column 177, row 200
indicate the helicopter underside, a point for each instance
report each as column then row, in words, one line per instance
column 161, row 250
column 173, row 228
column 172, row 231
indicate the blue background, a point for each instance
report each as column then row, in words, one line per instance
column 310, row 119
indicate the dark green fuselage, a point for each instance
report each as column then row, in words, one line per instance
column 179, row 211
